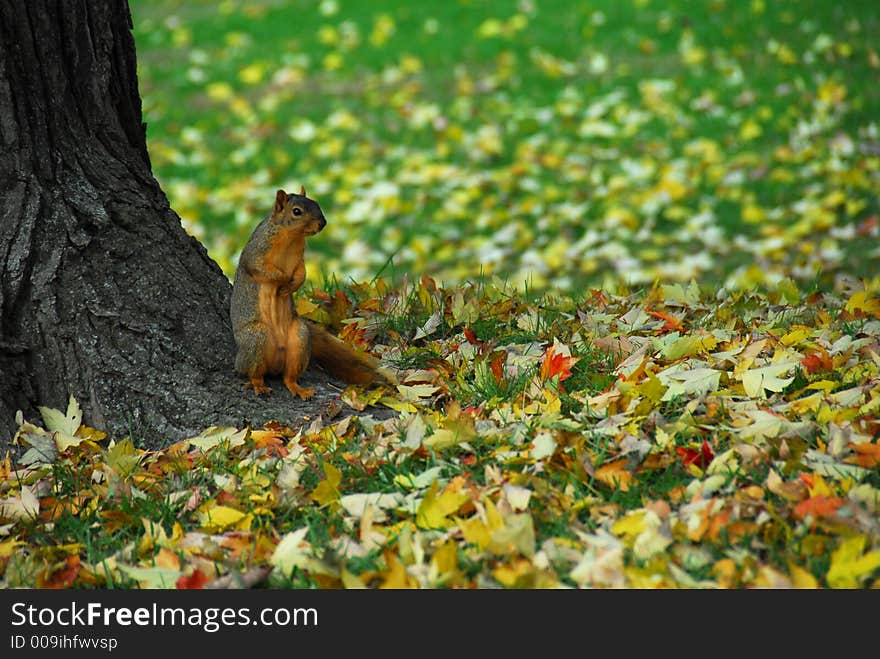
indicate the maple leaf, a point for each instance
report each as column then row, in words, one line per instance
column 817, row 361
column 556, row 365
column 867, row 454
column 700, row 458
column 496, row 364
column 196, row 580
column 860, row 304
column 849, row 565
column 151, row 577
column 219, row 518
column 756, row 380
column 294, row 551
column 22, row 507
column 61, row 576
column 471, row 337
column 327, row 491
column 671, row 324
column 615, row 475
column 818, row 506
column 435, row 509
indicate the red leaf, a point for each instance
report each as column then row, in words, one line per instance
column 701, row 458
column 817, row 361
column 62, row 578
column 471, row 337
column 554, row 365
column 195, row 581
column 496, row 363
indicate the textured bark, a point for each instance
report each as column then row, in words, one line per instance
column 103, row 294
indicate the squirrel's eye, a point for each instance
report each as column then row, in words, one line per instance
column 297, row 211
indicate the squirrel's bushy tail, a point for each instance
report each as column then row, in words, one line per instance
column 343, row 361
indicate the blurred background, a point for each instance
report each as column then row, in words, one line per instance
column 552, row 144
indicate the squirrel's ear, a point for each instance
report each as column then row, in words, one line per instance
column 280, row 199
column 302, row 190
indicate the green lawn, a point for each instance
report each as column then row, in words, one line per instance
column 559, row 144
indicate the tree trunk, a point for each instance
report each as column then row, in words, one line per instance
column 103, row 294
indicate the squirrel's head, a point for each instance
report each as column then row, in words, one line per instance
column 298, row 212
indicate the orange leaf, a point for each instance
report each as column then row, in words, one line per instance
column 817, row 361
column 672, row 323
column 615, row 474
column 60, row 578
column 819, row 506
column 194, row 581
column 556, row 365
column 868, row 455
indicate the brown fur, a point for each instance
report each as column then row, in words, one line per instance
column 271, row 338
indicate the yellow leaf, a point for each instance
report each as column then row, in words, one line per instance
column 351, row 581
column 417, row 482
column 395, row 404
column 442, row 438
column 817, row 487
column 305, row 307
column 689, row 345
column 168, row 559
column 412, row 393
column 218, row 518
column 434, row 509
column 475, row 531
column 651, row 388
column 750, row 130
column 794, row 337
column 327, row 491
column 219, row 91
column 122, row 457
column 152, row 577
column 8, row 547
column 396, row 577
column 445, row 559
column 519, row 574
column 800, row 578
column 214, row 435
column 631, row 525
column 517, row 534
column 252, row 74
column 66, row 423
column 860, row 302
column 849, row 566
column 753, row 214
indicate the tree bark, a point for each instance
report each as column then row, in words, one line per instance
column 103, row 295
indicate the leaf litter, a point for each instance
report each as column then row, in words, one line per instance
column 606, row 447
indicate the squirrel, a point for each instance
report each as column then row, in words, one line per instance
column 270, row 337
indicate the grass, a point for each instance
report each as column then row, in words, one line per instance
column 558, row 145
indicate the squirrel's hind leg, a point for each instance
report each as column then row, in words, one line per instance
column 297, row 357
column 251, row 358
